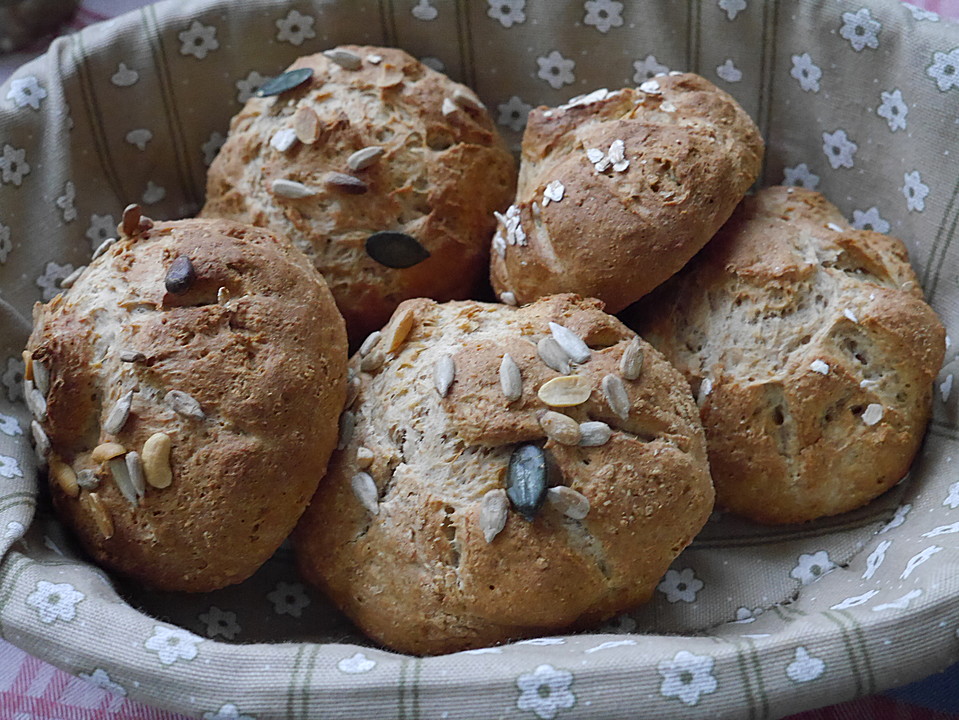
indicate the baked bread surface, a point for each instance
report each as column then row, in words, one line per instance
column 443, row 171
column 618, row 232
column 812, row 354
column 419, row 575
column 255, row 340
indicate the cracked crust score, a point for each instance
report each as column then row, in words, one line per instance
column 418, row 575
column 255, row 340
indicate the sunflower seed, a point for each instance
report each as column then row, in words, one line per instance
column 306, row 125
column 121, row 476
column 571, row 503
column 365, row 490
column 69, row 281
column 370, row 342
column 117, row 417
column 510, row 378
column 834, row 227
column 553, row 355
column 850, row 315
column 399, row 330
column 873, row 414
column 285, row 81
column 103, row 247
column 180, row 275
column 560, row 428
column 508, row 298
column 364, row 457
column 291, row 189
column 395, row 249
column 107, row 451
column 135, row 471
column 571, row 343
column 526, row 480
column 64, row 476
column 565, row 391
column 616, row 396
column 448, row 107
column 346, row 183
column 373, row 362
column 132, row 356
column 88, row 480
column 223, row 295
column 344, row 58
column 131, row 220
column 156, row 460
column 594, row 434
column 284, row 139
column 40, row 440
column 41, row 377
column 362, row 159
column 631, row 363
column 347, row 425
column 494, row 509
column 36, row 403
column 184, row 404
column 443, row 372
column 352, row 391
column 464, row 98
column 101, row 517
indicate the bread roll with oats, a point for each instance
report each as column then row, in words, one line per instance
column 384, row 172
column 812, row 353
column 505, row 473
column 618, row 190
column 186, row 390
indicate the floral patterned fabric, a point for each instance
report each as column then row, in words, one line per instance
column 857, row 99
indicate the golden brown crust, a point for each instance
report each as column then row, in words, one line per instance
column 618, row 233
column 440, row 178
column 801, row 323
column 419, row 576
column 267, row 367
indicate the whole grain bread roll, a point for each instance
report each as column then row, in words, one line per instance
column 372, row 142
column 186, row 391
column 812, row 354
column 414, row 532
column 618, row 190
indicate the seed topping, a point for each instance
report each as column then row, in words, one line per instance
column 352, row 391
column 616, row 397
column 156, row 460
column 291, row 189
column 364, row 457
column 464, row 98
column 553, row 355
column 64, row 476
column 373, row 362
column 510, row 379
column 88, row 480
column 508, row 298
column 513, row 224
column 365, row 490
column 71, row 279
column 180, row 276
column 135, row 471
column 526, row 480
column 107, row 451
column 571, row 343
column 834, row 227
column 448, row 107
column 494, row 509
column 285, row 81
column 820, row 367
column 306, row 125
column 399, row 330
column 132, row 356
column 284, row 139
column 594, row 434
column 99, row 513
column 560, row 428
column 121, row 476
column 631, row 362
column 395, row 249
column 36, row 403
column 444, row 371
column 651, row 87
column 850, row 315
column 103, row 247
column 344, row 58
column 347, row 183
column 130, row 224
column 40, row 440
column 553, row 192
column 565, row 391
column 118, row 415
column 223, row 295
column 347, row 426
column 873, row 414
column 41, row 377
column 571, row 503
column 362, row 159
column 184, row 404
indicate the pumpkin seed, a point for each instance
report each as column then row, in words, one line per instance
column 103, row 247
column 560, row 428
column 106, row 451
column 347, row 425
column 399, row 330
column 553, row 355
column 526, row 480
column 285, row 81
column 616, row 396
column 135, row 471
column 444, row 370
column 571, row 343
column 631, row 363
column 306, row 125
column 364, row 457
column 121, row 476
column 184, row 404
column 510, row 378
column 494, row 509
column 370, row 342
column 565, row 391
column 571, row 503
column 40, row 440
column 117, row 417
column 41, row 377
column 156, row 460
column 291, row 189
column 64, row 476
column 395, row 249
column 347, row 183
column 88, row 480
column 101, row 517
column 132, row 356
column 131, row 220
column 344, row 58
column 180, row 275
column 362, row 159
column 594, row 433
column 69, row 281
column 365, row 490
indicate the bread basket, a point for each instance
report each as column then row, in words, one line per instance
column 855, row 99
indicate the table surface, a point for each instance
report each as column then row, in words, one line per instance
column 31, row 689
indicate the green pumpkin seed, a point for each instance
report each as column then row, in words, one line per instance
column 526, row 480
column 395, row 249
column 180, row 276
column 286, row 81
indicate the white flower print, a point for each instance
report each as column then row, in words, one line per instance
column 647, row 68
column 919, row 13
column 10, row 468
column 729, row 72
column 101, row 228
column 356, row 664
column 687, row 676
column 806, row 72
column 875, row 559
column 839, row 149
column 855, row 601
column 513, row 113
column 13, row 378
column 101, row 679
column 13, row 165
column 139, row 138
column 810, row 568
column 288, row 599
column 744, row 615
column 65, row 202
column 952, row 498
column 226, row 712
column 211, row 147
column 680, row 586
column 945, row 69
column 918, row 559
column 54, row 601
column 172, row 644
column 49, row 282
column 800, row 175
column 14, row 530
column 198, row 40
column 424, row 11
column 545, row 691
column 153, row 194
column 125, row 76
column 915, row 191
column 220, row 622
column 804, row 667
column 507, row 12
column 6, row 245
column 860, row 29
column 295, row 28
column 609, row 645
column 945, row 388
column 732, row 8
column 893, row 109
column 543, row 642
column 26, row 92
column 619, row 625
column 900, row 603
column 246, row 87
column 869, row 220
column 556, row 70
column 943, row 530
column 9, row 425
column 603, row 14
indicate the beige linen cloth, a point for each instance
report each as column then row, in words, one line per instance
column 859, row 100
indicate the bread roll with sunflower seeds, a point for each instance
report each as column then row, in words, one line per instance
column 482, row 495
column 618, row 190
column 382, row 170
column 812, row 353
column 194, row 375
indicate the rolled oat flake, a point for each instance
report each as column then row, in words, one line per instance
column 526, row 480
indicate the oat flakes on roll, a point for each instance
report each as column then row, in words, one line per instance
column 618, row 190
column 383, row 171
column 192, row 377
column 812, row 354
column 482, row 495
